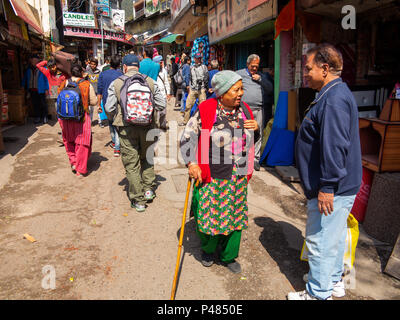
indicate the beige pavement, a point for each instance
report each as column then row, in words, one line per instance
column 100, row 248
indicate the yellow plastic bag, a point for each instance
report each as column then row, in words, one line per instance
column 266, row 133
column 351, row 243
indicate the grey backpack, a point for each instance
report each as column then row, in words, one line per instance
column 178, row 77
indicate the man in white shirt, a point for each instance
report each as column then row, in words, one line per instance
column 165, row 88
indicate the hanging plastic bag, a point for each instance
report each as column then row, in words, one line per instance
column 266, row 133
column 351, row 243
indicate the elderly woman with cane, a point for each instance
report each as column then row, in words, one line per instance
column 217, row 145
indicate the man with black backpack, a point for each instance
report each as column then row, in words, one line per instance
column 132, row 99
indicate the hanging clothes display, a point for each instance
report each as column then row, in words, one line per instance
column 202, row 46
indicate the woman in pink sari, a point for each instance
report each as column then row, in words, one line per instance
column 77, row 135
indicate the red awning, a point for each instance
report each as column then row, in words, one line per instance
column 24, row 11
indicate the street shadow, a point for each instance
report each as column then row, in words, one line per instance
column 158, row 181
column 191, row 242
column 283, row 242
column 16, row 138
column 95, row 161
column 108, row 144
column 190, row 245
column 125, row 183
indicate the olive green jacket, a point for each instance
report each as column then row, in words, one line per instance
column 113, row 107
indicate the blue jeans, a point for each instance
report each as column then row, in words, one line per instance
column 183, row 102
column 102, row 116
column 326, row 240
column 114, row 136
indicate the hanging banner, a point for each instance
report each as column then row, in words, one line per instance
column 227, row 18
column 151, row 7
column 177, row 6
column 118, row 19
column 95, row 34
column 105, row 6
column 16, row 26
column 78, row 19
column 165, row 5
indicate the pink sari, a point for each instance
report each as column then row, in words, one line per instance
column 77, row 138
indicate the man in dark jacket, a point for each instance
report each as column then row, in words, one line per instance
column 105, row 79
column 36, row 86
column 173, row 70
column 328, row 156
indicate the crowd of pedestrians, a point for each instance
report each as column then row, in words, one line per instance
column 223, row 114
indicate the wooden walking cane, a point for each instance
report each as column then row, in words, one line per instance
column 178, row 258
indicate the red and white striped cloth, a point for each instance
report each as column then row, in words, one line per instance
column 76, row 131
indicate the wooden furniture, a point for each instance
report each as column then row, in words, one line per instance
column 380, row 139
column 17, row 110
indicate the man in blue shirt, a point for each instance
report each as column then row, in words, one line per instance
column 186, row 82
column 328, row 157
column 105, row 78
column 214, row 69
column 148, row 66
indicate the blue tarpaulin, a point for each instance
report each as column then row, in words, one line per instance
column 279, row 150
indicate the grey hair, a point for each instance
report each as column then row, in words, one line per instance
column 252, row 57
column 214, row 64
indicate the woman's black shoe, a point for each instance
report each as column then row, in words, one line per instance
column 207, row 260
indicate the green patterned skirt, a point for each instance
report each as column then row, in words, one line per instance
column 220, row 207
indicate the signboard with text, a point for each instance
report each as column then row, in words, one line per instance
column 95, row 34
column 229, row 17
column 152, row 7
column 104, row 5
column 78, row 19
column 118, row 19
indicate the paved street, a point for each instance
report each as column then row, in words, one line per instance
column 100, row 248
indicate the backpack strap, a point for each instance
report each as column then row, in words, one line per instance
column 246, row 111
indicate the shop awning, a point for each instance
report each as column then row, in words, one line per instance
column 24, row 11
column 151, row 37
column 171, row 37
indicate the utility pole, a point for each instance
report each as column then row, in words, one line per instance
column 99, row 10
column 102, row 37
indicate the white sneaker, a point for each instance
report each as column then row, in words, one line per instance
column 149, row 195
column 338, row 288
column 302, row 295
